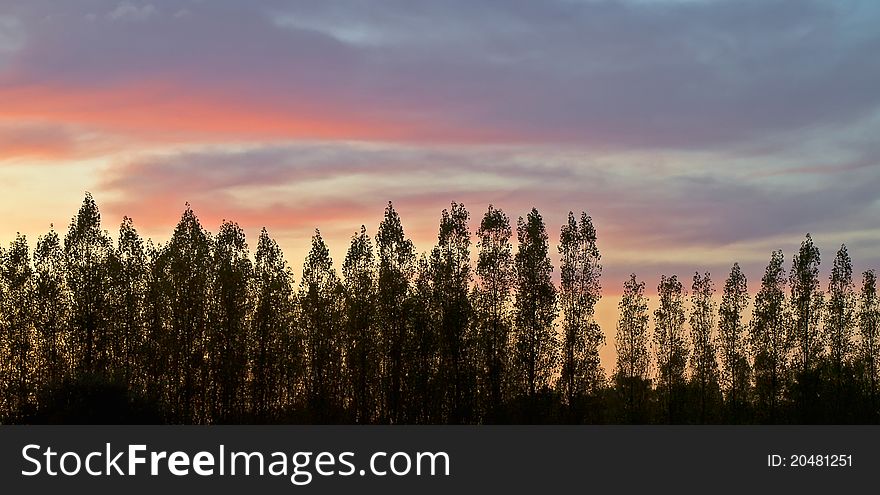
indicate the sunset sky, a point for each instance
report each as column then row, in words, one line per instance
column 696, row 133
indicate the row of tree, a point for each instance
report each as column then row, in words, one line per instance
column 197, row 331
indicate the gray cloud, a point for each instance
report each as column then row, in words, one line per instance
column 613, row 74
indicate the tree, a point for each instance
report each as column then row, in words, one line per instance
column 670, row 345
column 806, row 301
column 180, row 294
column 631, row 344
column 50, row 311
column 226, row 337
column 581, row 372
column 362, row 349
column 770, row 339
column 869, row 338
column 128, row 272
column 733, row 342
column 492, row 307
column 16, row 329
column 704, row 363
column 87, row 249
column 535, row 344
column 423, row 398
column 451, row 270
column 320, row 317
column 275, row 357
column 395, row 271
column 840, row 324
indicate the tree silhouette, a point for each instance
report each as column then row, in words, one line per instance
column 581, row 373
column 362, row 343
column 276, row 357
column 840, row 325
column 807, row 303
column 182, row 275
column 869, row 340
column 670, row 346
column 733, row 343
column 535, row 346
column 451, row 270
column 631, row 343
column 770, row 339
column 128, row 272
column 704, row 361
column 17, row 328
column 492, row 299
column 320, row 315
column 87, row 250
column 395, row 271
column 226, row 338
column 197, row 331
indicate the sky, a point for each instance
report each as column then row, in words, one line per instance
column 695, row 133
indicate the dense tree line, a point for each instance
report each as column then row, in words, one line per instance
column 197, row 330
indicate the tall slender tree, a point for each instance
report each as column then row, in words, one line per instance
column 840, row 325
column 362, row 349
column 451, row 270
column 180, row 295
column 670, row 346
column 423, row 399
column 16, row 329
column 807, row 302
column 733, row 343
column 869, row 340
column 321, row 309
column 703, row 362
column 275, row 357
column 536, row 346
column 128, row 272
column 581, row 372
column 50, row 309
column 492, row 299
column 631, row 343
column 87, row 249
column 396, row 265
column 226, row 337
column 770, row 340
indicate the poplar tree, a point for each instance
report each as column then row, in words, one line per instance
column 631, row 344
column 492, row 298
column 670, row 345
column 535, row 343
column 275, row 357
column 703, row 362
column 840, row 323
column 362, row 350
column 807, row 302
column 16, row 329
column 733, row 342
column 396, row 266
column 320, row 315
column 87, row 249
column 181, row 286
column 226, row 337
column 451, row 270
column 50, row 311
column 769, row 338
column 869, row 339
column 128, row 279
column 581, row 372
column 423, row 398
